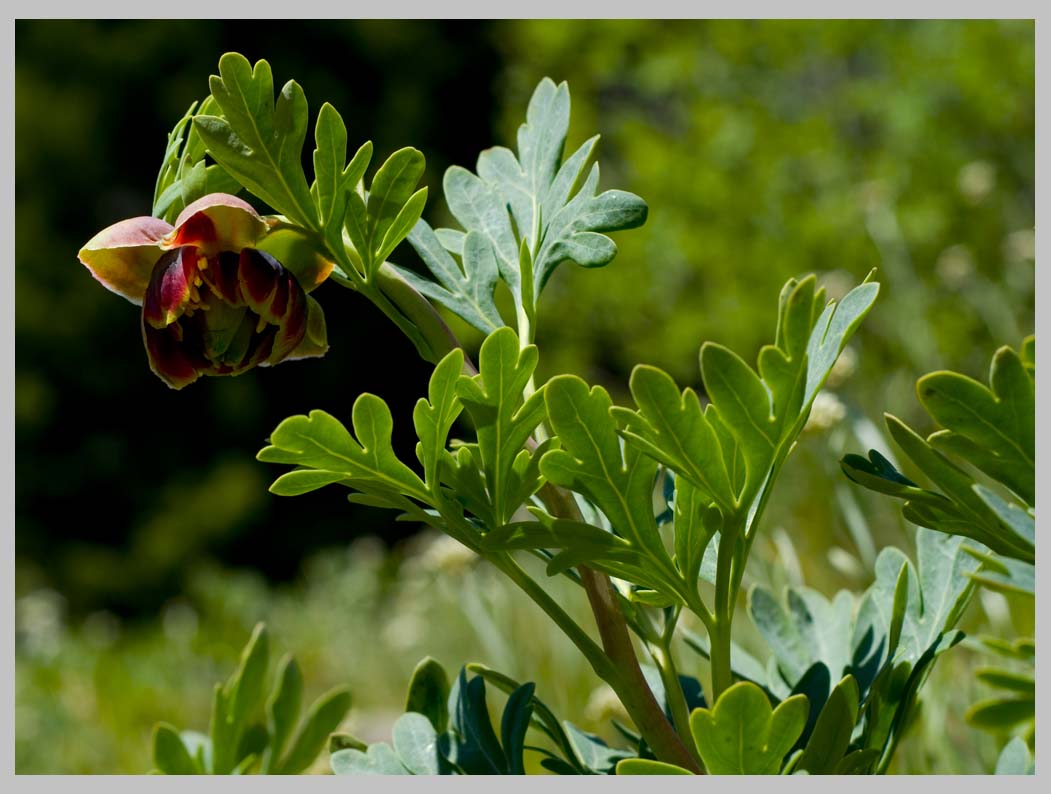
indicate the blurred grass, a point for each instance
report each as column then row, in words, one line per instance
column 88, row 693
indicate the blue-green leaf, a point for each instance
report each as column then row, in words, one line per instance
column 468, row 289
column 416, row 743
column 380, row 759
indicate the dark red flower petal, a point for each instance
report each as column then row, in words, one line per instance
column 258, row 275
column 169, row 288
column 168, row 357
column 220, row 274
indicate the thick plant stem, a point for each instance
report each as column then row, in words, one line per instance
column 635, row 693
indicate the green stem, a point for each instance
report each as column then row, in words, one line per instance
column 680, row 713
column 596, row 657
column 720, row 630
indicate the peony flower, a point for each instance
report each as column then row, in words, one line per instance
column 215, row 300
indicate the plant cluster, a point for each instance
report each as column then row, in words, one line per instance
column 652, row 510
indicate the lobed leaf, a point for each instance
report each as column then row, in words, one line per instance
column 320, row 442
column 743, row 735
column 258, row 141
column 504, row 420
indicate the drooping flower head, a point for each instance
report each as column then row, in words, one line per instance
column 215, row 300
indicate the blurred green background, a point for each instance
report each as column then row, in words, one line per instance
column 147, row 544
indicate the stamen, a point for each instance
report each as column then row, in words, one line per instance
column 202, row 263
column 195, row 296
column 260, row 325
column 197, row 280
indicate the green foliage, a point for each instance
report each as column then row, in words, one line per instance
column 743, row 735
column 459, row 738
column 258, row 141
column 645, row 766
column 522, row 217
column 185, row 176
column 886, row 642
column 590, row 484
column 990, row 430
column 237, row 742
column 504, row 420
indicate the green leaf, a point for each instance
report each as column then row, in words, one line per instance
column 434, row 419
column 170, row 755
column 467, row 290
column 742, row 735
column 330, row 156
column 809, row 631
column 944, row 570
column 645, row 766
column 344, row 741
column 858, row 762
column 504, row 421
column 380, row 759
column 184, row 177
column 403, row 223
column 429, row 692
column 393, row 188
column 513, row 727
column 1007, row 679
column 320, row 442
column 592, row 464
column 673, row 429
column 282, row 709
column 474, row 746
column 542, row 716
column 323, row 717
column 1003, row 574
column 416, row 743
column 248, row 686
column 999, row 421
column 968, row 514
column 878, row 474
column 733, row 450
column 334, row 178
column 1020, row 522
column 1001, row 714
column 696, row 525
column 830, row 738
column 592, row 752
column 257, row 141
